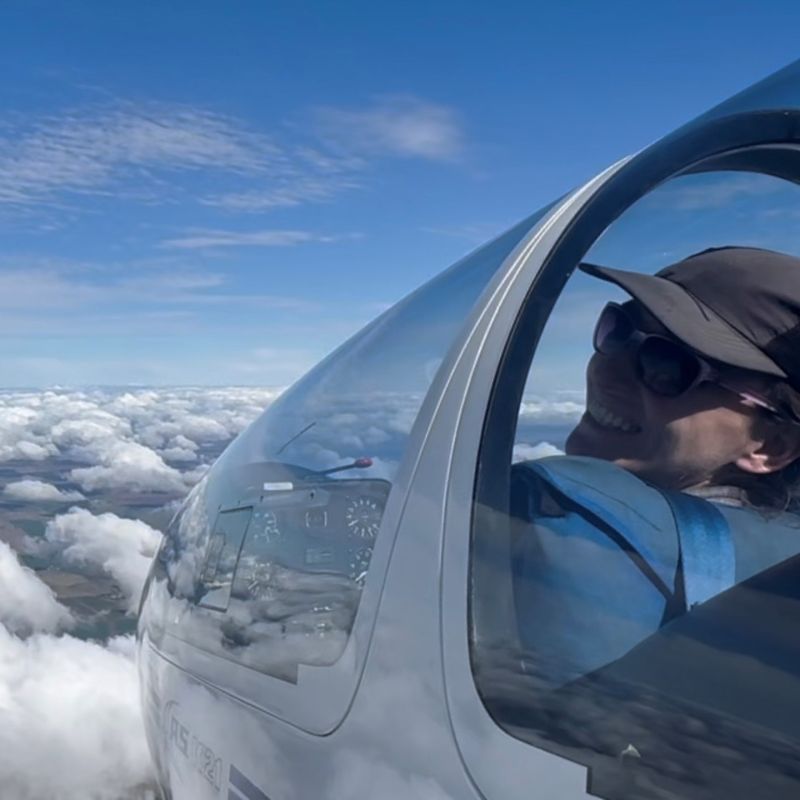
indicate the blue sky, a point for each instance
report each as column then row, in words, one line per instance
column 219, row 193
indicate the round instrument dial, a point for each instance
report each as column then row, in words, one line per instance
column 363, row 517
column 359, row 564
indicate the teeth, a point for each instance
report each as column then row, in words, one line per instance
column 608, row 419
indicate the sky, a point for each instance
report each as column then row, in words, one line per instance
column 219, row 194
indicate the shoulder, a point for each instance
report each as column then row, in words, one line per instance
column 609, row 493
column 594, row 482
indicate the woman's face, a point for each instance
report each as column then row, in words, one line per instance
column 673, row 442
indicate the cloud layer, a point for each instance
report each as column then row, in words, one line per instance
column 72, row 726
column 162, row 440
column 71, row 716
column 39, row 492
column 26, row 604
column 122, row 548
column 138, row 441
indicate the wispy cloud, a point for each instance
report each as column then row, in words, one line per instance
column 139, row 151
column 286, row 192
column 45, row 289
column 119, row 299
column 203, row 239
column 345, row 142
column 397, row 125
column 91, row 151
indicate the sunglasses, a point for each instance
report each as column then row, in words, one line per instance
column 665, row 366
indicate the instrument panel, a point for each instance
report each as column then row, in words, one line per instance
column 329, row 527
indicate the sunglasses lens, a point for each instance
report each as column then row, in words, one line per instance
column 667, row 368
column 613, row 330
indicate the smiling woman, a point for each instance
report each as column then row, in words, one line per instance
column 662, row 411
column 677, row 488
column 641, row 389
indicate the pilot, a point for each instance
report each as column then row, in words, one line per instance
column 680, row 476
column 694, row 382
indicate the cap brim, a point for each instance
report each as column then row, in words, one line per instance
column 689, row 320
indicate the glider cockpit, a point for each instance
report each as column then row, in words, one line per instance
column 367, row 595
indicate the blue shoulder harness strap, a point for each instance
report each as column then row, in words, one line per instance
column 706, row 547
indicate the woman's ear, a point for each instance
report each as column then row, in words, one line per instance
column 779, row 448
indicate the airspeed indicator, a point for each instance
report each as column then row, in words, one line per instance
column 363, row 517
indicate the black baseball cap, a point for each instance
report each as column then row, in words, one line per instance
column 735, row 305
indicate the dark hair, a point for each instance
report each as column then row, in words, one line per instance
column 778, row 491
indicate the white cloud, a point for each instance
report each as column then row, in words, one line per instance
column 123, row 548
column 39, row 491
column 400, row 125
column 89, row 150
column 550, row 410
column 68, row 300
column 263, row 238
column 19, row 437
column 72, row 726
column 177, row 453
column 292, row 193
column 530, row 452
column 46, row 289
column 129, row 465
column 139, row 151
column 124, row 438
column 29, row 450
column 26, row 604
